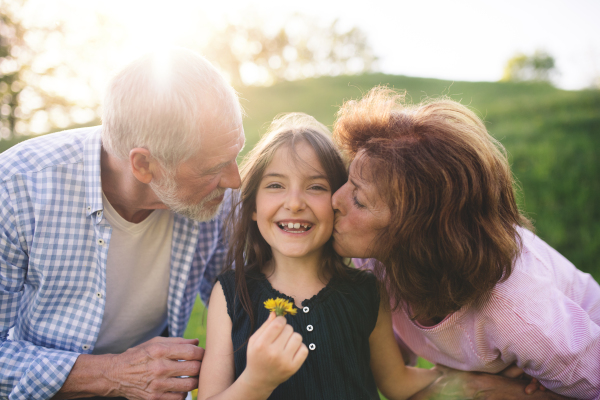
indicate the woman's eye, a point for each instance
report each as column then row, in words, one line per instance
column 319, row 187
column 274, row 186
column 356, row 202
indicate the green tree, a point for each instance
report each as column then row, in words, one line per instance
column 539, row 66
column 21, row 96
column 302, row 48
column 41, row 65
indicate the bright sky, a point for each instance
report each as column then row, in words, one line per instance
column 456, row 40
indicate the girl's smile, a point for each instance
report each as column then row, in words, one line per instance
column 293, row 203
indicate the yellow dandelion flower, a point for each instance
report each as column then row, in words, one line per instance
column 280, row 306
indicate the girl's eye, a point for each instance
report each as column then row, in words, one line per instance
column 319, row 187
column 274, row 186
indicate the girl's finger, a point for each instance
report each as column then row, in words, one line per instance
column 273, row 330
column 300, row 356
column 264, row 326
column 284, row 336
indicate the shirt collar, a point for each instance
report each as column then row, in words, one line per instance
column 91, row 171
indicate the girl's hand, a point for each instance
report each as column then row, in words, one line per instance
column 275, row 352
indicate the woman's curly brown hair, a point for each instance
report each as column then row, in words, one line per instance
column 453, row 228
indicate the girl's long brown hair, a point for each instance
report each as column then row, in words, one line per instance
column 453, row 233
column 248, row 251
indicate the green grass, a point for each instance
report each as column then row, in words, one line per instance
column 552, row 137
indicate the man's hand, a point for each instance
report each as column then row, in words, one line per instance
column 149, row 371
column 455, row 385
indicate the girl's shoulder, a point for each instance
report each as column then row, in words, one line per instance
column 227, row 280
column 360, row 284
column 358, row 278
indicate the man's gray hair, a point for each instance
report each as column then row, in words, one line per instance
column 162, row 102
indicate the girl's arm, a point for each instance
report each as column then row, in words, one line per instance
column 275, row 352
column 393, row 378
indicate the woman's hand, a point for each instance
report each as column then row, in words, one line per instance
column 515, row 372
column 275, row 353
column 455, row 385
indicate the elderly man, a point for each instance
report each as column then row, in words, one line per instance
column 102, row 248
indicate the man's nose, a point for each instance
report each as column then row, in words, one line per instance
column 231, row 177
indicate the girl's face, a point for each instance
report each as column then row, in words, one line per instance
column 293, row 204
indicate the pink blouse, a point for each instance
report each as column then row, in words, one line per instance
column 545, row 318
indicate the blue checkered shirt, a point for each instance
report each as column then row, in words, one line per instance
column 53, row 248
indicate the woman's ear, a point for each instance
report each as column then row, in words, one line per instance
column 142, row 164
column 254, row 216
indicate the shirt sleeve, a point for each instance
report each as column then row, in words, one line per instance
column 26, row 371
column 216, row 263
column 554, row 340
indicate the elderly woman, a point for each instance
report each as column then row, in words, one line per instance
column 430, row 198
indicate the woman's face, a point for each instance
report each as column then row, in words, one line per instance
column 360, row 212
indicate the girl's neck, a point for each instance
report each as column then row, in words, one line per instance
column 299, row 278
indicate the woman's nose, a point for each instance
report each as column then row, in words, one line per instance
column 336, row 200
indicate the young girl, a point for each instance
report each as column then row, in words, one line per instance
column 339, row 344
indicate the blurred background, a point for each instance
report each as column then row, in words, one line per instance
column 530, row 69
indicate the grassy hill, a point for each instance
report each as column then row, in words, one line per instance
column 552, row 136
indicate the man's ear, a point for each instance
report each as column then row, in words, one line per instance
column 143, row 165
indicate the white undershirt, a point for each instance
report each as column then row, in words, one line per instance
column 137, row 280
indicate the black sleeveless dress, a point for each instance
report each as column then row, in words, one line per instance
column 335, row 325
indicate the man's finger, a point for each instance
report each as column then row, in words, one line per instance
column 181, row 384
column 174, row 340
column 186, row 352
column 184, row 368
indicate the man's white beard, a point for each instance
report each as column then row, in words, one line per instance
column 166, row 191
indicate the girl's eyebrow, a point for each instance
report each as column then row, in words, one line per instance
column 273, row 175
column 276, row 175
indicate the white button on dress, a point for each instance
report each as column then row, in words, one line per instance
column 312, row 346
column 309, row 328
column 306, row 309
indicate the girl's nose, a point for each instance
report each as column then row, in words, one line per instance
column 295, row 201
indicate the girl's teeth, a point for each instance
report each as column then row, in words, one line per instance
column 296, row 225
column 290, row 225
